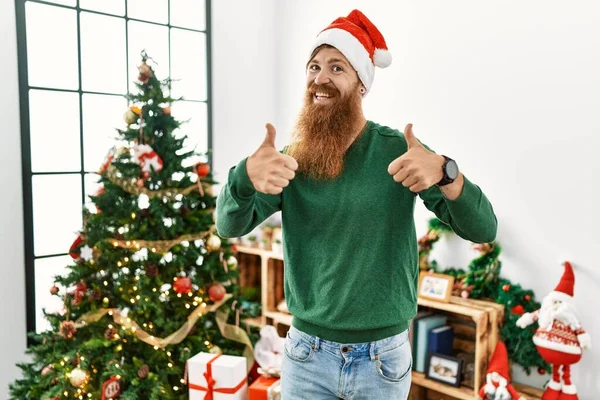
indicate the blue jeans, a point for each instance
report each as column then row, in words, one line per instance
column 317, row 369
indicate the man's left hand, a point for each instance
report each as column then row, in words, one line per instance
column 418, row 169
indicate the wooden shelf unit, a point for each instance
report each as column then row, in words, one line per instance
column 487, row 316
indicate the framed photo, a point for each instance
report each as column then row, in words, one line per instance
column 435, row 286
column 444, row 369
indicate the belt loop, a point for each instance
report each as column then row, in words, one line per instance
column 373, row 351
column 317, row 343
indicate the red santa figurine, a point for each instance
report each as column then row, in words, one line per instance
column 560, row 337
column 497, row 385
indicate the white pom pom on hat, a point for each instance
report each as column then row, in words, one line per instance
column 359, row 40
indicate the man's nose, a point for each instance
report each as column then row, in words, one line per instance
column 322, row 78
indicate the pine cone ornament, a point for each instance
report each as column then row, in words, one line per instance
column 110, row 333
column 67, row 329
column 143, row 371
column 95, row 295
column 151, row 270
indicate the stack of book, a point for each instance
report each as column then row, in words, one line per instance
column 429, row 333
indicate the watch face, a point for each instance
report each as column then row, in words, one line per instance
column 452, row 169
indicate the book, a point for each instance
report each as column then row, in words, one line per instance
column 412, row 331
column 423, row 326
column 441, row 340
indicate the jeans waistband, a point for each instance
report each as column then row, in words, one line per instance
column 372, row 349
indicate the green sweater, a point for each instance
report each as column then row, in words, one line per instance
column 350, row 245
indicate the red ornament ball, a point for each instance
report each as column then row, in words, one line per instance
column 54, row 289
column 183, row 285
column 216, row 292
column 541, row 371
column 527, row 297
column 202, row 169
column 506, row 288
column 518, row 310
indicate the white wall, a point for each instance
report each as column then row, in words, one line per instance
column 12, row 271
column 510, row 89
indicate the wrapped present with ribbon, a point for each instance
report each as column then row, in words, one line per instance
column 217, row 377
column 265, row 388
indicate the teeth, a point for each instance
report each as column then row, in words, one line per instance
column 322, row 95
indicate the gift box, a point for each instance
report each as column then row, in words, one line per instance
column 217, row 377
column 265, row 388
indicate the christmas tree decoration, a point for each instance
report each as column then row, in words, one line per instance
column 78, row 377
column 215, row 350
column 497, row 384
column 122, row 308
column 216, row 292
column 131, row 116
column 559, row 338
column 47, row 369
column 182, row 285
column 167, row 110
column 213, row 243
column 202, row 169
column 54, row 290
column 143, row 371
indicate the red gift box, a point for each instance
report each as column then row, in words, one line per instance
column 259, row 390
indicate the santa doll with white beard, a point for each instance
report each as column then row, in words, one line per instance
column 560, row 339
column 497, row 386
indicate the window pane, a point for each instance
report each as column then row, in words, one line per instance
column 45, row 271
column 196, row 128
column 189, row 14
column 103, row 53
column 188, row 64
column 116, row 7
column 92, row 185
column 64, row 2
column 52, row 46
column 102, row 115
column 54, row 124
column 56, row 212
column 155, row 40
column 148, row 10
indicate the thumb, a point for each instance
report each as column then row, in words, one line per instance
column 270, row 137
column 411, row 140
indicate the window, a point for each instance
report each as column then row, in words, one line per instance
column 77, row 60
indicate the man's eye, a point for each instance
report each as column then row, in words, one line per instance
column 337, row 68
column 314, row 67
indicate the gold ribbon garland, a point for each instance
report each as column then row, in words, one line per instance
column 162, row 246
column 130, row 186
column 228, row 331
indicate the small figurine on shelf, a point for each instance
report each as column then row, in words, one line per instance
column 560, row 339
column 497, row 385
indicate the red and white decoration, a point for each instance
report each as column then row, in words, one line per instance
column 219, row 377
column 148, row 159
column 359, row 40
column 560, row 337
column 497, row 384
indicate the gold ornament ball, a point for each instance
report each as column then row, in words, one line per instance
column 232, row 262
column 130, row 117
column 215, row 350
column 78, row 377
column 213, row 243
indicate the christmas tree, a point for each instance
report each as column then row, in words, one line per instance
column 152, row 283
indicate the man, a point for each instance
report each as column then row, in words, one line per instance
column 346, row 188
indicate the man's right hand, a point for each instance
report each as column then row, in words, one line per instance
column 268, row 169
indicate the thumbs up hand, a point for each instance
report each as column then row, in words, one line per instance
column 418, row 169
column 268, row 169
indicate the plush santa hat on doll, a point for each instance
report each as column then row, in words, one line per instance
column 497, row 385
column 560, row 337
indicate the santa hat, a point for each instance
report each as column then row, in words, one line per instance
column 564, row 289
column 499, row 361
column 360, row 42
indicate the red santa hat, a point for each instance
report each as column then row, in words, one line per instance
column 360, row 42
column 499, row 361
column 564, row 289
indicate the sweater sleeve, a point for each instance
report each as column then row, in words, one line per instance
column 471, row 215
column 240, row 208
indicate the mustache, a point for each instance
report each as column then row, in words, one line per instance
column 326, row 88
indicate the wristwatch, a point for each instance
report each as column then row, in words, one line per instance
column 450, row 170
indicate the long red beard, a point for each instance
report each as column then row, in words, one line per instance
column 323, row 132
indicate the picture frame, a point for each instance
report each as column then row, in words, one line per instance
column 436, row 287
column 444, row 369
